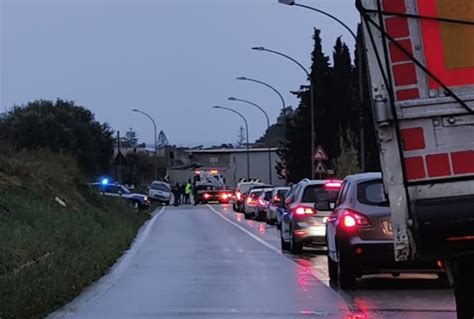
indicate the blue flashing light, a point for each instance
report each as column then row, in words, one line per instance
column 104, row 181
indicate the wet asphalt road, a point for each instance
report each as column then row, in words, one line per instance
column 209, row 262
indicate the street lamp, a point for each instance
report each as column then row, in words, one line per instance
column 156, row 149
column 312, row 106
column 246, row 133
column 285, row 119
column 268, row 127
column 359, row 58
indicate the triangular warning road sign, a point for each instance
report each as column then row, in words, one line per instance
column 321, row 168
column 320, row 154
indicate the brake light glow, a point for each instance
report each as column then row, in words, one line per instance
column 351, row 219
column 249, row 200
column 225, row 196
column 239, row 195
column 276, row 198
column 332, row 185
column 304, row 211
column 207, row 196
column 262, row 202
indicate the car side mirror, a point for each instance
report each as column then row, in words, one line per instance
column 323, row 205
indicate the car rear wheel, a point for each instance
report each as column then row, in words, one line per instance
column 284, row 245
column 332, row 269
column 296, row 248
column 345, row 272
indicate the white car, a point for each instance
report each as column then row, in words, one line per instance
column 160, row 191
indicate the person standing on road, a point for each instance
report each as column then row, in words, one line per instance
column 177, row 194
column 187, row 192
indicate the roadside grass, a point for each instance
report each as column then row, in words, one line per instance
column 49, row 253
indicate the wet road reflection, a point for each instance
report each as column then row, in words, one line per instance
column 410, row 296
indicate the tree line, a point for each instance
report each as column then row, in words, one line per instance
column 341, row 110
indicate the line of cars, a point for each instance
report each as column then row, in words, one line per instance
column 351, row 217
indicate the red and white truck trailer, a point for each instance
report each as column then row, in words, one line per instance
column 420, row 57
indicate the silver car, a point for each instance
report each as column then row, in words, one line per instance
column 160, row 191
column 276, row 205
column 251, row 201
column 359, row 233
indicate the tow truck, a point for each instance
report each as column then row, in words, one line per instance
column 420, row 59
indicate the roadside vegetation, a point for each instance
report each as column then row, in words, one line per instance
column 56, row 235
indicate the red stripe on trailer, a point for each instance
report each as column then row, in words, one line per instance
column 397, row 27
column 398, row 55
column 463, row 162
column 407, row 94
column 413, row 139
column 438, row 165
column 397, row 6
column 404, row 74
column 415, row 168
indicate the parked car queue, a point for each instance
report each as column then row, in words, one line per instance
column 350, row 217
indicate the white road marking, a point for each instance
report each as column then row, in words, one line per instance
column 104, row 284
column 261, row 241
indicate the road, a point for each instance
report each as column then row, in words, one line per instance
column 209, row 262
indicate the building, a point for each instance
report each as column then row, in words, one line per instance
column 231, row 163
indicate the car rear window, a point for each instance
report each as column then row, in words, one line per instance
column 268, row 195
column 256, row 194
column 206, row 188
column 316, row 193
column 372, row 193
column 160, row 187
column 282, row 192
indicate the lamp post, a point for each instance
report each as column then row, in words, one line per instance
column 246, row 133
column 359, row 58
column 285, row 120
column 156, row 150
column 312, row 106
column 268, row 127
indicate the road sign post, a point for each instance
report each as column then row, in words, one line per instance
column 320, row 155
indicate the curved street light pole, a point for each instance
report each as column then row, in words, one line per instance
column 285, row 120
column 359, row 58
column 312, row 106
column 156, row 151
column 246, row 133
column 268, row 127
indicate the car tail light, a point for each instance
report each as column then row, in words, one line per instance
column 276, row 198
column 226, row 196
column 351, row 219
column 304, row 211
column 249, row 200
column 332, row 185
column 238, row 195
column 207, row 196
column 262, row 202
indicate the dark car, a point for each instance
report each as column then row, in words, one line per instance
column 209, row 193
column 137, row 201
column 302, row 224
column 359, row 233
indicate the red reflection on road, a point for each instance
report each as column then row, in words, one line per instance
column 357, row 316
column 240, row 217
column 262, row 228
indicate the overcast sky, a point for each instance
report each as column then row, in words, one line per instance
column 173, row 59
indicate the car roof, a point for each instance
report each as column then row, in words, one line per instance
column 257, row 190
column 269, row 189
column 363, row 177
column 307, row 181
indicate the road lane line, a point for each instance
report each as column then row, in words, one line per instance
column 347, row 298
column 261, row 241
column 106, row 282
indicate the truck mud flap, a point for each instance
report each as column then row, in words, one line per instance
column 444, row 225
